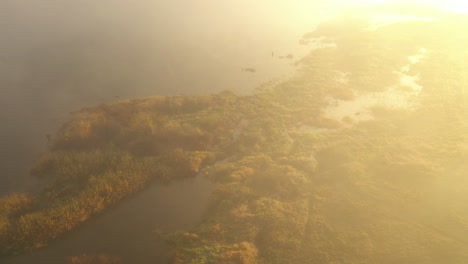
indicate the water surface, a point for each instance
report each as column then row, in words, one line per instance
column 59, row 56
column 128, row 230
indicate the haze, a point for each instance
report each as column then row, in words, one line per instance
column 203, row 131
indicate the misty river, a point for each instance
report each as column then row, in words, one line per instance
column 353, row 153
column 59, row 57
column 56, row 58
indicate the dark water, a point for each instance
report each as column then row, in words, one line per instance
column 127, row 230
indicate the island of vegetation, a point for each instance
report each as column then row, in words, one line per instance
column 294, row 184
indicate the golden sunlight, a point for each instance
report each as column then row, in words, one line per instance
column 455, row 6
column 444, row 5
column 302, row 10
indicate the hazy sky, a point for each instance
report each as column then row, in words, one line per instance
column 40, row 19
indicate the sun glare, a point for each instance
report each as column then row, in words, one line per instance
column 458, row 7
column 455, row 6
column 302, row 9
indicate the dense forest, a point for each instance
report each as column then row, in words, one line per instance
column 359, row 157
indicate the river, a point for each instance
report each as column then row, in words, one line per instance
column 128, row 231
column 60, row 56
column 57, row 57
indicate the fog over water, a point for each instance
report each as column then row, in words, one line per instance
column 60, row 56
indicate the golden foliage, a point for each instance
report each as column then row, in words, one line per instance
column 15, row 203
column 242, row 253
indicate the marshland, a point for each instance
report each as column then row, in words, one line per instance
column 125, row 140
